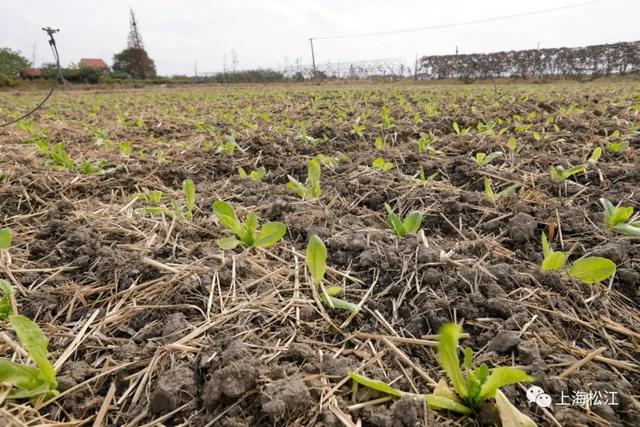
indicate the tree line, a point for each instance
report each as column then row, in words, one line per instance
column 596, row 60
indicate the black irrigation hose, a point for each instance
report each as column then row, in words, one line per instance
column 59, row 76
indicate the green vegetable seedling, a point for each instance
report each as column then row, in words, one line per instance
column 588, row 270
column 317, row 265
column 595, row 156
column 246, row 233
column 29, row 381
column 411, row 223
column 620, row 218
column 426, row 143
column 189, row 190
column 312, row 189
column 559, row 173
column 256, row 175
column 422, row 179
column 483, row 159
column 382, row 165
column 469, row 391
column 5, row 238
column 494, row 197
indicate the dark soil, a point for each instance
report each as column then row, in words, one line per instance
column 190, row 334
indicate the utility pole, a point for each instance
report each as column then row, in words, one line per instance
column 195, row 66
column 313, row 61
column 33, row 58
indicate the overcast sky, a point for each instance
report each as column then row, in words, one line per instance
column 270, row 33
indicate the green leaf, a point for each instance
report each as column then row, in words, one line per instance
column 445, row 403
column 270, row 234
column 228, row 243
column 456, row 128
column 297, row 187
column 378, row 143
column 591, row 270
column 509, row 414
column 632, row 229
column 251, row 224
column 342, row 304
column 618, row 147
column 395, row 222
column 512, row 144
column 189, row 189
column 500, row 377
column 555, row 261
column 546, row 248
column 221, row 208
column 313, row 172
column 258, row 174
column 376, row 385
column 153, row 210
column 509, row 191
column 17, row 393
column 5, row 238
column 242, row 172
column 608, row 207
column 316, row 259
column 334, row 291
column 5, row 302
column 412, row 222
column 620, row 215
column 18, row 375
column 488, row 189
column 233, row 225
column 595, row 156
column 448, row 357
column 35, row 342
column 468, row 357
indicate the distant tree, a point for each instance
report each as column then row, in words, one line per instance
column 11, row 62
column 134, row 60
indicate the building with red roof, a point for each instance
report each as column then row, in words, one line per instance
column 95, row 63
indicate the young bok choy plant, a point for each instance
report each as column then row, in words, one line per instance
column 483, row 159
column 27, row 381
column 470, row 388
column 246, row 233
column 312, row 189
column 494, row 197
column 588, row 270
column 411, row 223
column 317, row 265
column 620, row 218
column 560, row 174
column 382, row 165
column 255, row 175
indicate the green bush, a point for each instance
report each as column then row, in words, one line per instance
column 6, row 81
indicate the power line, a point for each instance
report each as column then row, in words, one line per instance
column 460, row 24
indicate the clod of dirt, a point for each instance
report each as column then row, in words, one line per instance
column 285, row 398
column 504, row 341
column 175, row 387
column 488, row 415
column 615, row 251
column 522, row 228
column 497, row 307
column 231, row 381
column 175, row 326
column 408, row 412
column 300, row 352
column 338, row 367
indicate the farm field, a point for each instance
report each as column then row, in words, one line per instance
column 151, row 322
